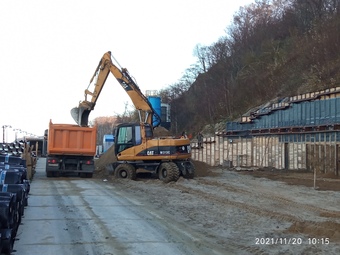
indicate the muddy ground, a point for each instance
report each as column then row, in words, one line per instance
column 263, row 211
column 299, row 177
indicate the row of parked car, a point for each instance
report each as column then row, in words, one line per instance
column 14, row 190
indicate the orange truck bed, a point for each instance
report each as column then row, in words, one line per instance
column 67, row 139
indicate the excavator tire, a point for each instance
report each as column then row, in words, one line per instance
column 125, row 171
column 168, row 172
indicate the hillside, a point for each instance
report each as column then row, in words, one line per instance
column 272, row 49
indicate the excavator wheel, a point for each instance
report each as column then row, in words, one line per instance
column 168, row 172
column 125, row 171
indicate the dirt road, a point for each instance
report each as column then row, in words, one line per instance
column 245, row 212
column 76, row 216
column 218, row 212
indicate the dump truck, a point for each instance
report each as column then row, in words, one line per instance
column 70, row 149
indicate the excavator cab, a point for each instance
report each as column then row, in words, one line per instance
column 130, row 134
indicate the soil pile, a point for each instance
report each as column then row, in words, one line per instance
column 105, row 159
column 160, row 132
column 202, row 169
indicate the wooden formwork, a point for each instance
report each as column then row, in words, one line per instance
column 270, row 151
column 323, row 158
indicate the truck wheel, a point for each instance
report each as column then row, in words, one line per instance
column 125, row 171
column 168, row 172
column 49, row 174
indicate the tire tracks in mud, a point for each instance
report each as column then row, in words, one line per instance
column 260, row 192
column 213, row 195
column 299, row 225
column 211, row 191
column 206, row 234
column 200, row 195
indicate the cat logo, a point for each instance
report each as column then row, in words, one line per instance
column 149, row 153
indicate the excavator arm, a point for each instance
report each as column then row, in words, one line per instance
column 81, row 113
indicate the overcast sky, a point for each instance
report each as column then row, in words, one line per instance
column 49, row 51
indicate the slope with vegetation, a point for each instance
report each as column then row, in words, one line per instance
column 272, row 49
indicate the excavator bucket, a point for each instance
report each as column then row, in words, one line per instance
column 81, row 115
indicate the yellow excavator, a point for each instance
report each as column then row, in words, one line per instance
column 135, row 147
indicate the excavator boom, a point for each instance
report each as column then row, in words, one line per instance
column 81, row 113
